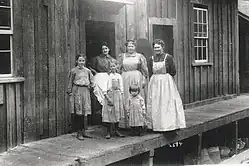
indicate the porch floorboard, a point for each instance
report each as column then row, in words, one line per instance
column 66, row 149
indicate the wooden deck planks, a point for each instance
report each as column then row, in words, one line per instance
column 66, row 147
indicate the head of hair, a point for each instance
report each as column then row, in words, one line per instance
column 134, row 88
column 77, row 57
column 130, row 41
column 104, row 44
column 159, row 41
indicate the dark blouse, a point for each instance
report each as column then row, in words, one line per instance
column 169, row 63
column 101, row 63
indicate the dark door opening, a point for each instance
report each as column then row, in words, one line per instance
column 98, row 32
column 165, row 32
column 244, row 55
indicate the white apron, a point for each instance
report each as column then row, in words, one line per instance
column 164, row 104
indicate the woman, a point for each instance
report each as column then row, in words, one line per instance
column 133, row 67
column 100, row 68
column 164, row 103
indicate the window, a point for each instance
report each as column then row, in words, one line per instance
column 201, row 34
column 6, row 32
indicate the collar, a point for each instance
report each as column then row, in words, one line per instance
column 131, row 55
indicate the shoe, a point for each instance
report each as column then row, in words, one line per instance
column 118, row 134
column 108, row 136
column 84, row 134
column 80, row 136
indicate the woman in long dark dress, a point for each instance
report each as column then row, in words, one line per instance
column 164, row 104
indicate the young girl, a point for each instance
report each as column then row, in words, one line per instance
column 135, row 108
column 80, row 81
column 113, row 105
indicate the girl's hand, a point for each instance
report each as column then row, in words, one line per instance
column 70, row 94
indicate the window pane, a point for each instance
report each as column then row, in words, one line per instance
column 200, row 53
column 5, row 63
column 204, row 16
column 4, row 2
column 5, row 42
column 5, row 17
column 204, row 53
column 200, row 16
column 195, row 15
column 195, row 27
column 196, row 44
column 196, row 53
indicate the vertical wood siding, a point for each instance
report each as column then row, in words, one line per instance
column 48, row 35
column 11, row 116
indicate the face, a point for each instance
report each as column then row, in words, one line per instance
column 105, row 50
column 113, row 67
column 130, row 47
column 158, row 49
column 81, row 61
column 134, row 93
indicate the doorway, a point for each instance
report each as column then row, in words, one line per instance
column 98, row 32
column 244, row 55
column 164, row 32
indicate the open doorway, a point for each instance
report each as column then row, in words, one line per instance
column 244, row 55
column 98, row 32
column 164, row 32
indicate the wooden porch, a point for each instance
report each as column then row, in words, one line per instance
column 67, row 150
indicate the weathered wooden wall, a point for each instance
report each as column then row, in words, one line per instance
column 220, row 76
column 11, row 115
column 48, row 35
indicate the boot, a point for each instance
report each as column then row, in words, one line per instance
column 116, row 132
column 73, row 123
column 84, row 127
column 108, row 135
column 80, row 135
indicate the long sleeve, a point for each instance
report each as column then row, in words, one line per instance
column 71, row 77
column 120, row 62
column 142, row 105
column 93, row 65
column 150, row 66
column 121, row 84
column 143, row 66
column 170, row 65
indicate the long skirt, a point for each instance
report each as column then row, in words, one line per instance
column 130, row 77
column 80, row 101
column 112, row 114
column 164, row 104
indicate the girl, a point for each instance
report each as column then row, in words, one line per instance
column 113, row 105
column 80, row 81
column 135, row 108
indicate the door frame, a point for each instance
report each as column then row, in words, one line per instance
column 161, row 21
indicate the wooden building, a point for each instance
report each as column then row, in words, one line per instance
column 43, row 37
column 243, row 7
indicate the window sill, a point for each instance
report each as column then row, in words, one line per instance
column 11, row 80
column 197, row 64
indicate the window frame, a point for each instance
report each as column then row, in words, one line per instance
column 206, row 38
column 10, row 33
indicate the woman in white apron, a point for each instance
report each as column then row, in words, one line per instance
column 100, row 68
column 164, row 104
column 134, row 70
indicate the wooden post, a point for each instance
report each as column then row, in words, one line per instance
column 199, row 148
column 148, row 158
column 236, row 137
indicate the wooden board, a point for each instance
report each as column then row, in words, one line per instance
column 19, row 114
column 3, row 124
column 29, row 70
